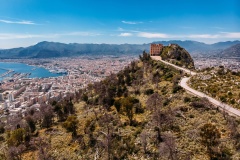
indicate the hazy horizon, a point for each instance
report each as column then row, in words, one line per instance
column 24, row 22
column 119, row 43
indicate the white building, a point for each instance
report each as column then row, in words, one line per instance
column 10, row 97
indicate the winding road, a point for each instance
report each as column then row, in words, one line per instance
column 183, row 83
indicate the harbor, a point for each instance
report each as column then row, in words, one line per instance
column 14, row 71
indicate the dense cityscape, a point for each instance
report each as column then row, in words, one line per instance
column 231, row 63
column 18, row 94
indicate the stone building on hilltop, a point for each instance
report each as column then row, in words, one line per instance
column 156, row 49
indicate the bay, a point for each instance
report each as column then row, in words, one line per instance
column 36, row 72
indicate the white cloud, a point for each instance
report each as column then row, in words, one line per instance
column 125, row 34
column 152, row 35
column 26, row 36
column 120, row 29
column 235, row 35
column 18, row 22
column 79, row 34
column 220, row 35
column 217, row 28
column 231, row 34
column 203, row 36
column 131, row 22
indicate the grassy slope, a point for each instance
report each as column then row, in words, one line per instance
column 223, row 85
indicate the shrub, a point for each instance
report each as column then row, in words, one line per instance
column 197, row 105
column 71, row 125
column 16, row 137
column 166, row 102
column 139, row 108
column 117, row 104
column 176, row 88
column 2, row 130
column 191, row 116
column 210, row 136
column 137, row 92
column 149, row 91
column 186, row 99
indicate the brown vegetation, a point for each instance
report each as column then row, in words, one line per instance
column 129, row 115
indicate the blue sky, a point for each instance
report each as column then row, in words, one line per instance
column 27, row 22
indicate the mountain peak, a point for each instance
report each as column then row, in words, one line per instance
column 233, row 51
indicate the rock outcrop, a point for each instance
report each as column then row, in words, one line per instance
column 177, row 55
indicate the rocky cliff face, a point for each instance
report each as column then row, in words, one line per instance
column 177, row 55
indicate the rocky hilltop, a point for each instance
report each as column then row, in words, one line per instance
column 177, row 55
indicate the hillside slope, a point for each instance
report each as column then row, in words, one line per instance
column 138, row 113
column 233, row 51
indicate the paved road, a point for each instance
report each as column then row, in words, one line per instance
column 158, row 58
column 183, row 83
column 223, row 106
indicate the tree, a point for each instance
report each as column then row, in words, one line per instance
column 47, row 115
column 15, row 153
column 210, row 136
column 145, row 57
column 156, row 78
column 107, row 122
column 71, row 125
column 2, row 129
column 154, row 102
column 13, row 122
column 85, row 97
column 117, row 105
column 58, row 109
column 44, row 146
column 68, row 108
column 16, row 137
column 31, row 123
column 176, row 88
column 127, row 104
column 168, row 147
column 143, row 137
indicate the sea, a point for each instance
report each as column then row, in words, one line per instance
column 34, row 72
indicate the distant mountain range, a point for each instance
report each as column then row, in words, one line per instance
column 233, row 51
column 202, row 49
column 54, row 49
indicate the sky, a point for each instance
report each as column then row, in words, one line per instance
column 27, row 22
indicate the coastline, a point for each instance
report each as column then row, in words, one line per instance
column 16, row 70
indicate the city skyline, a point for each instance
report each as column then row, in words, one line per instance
column 26, row 22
